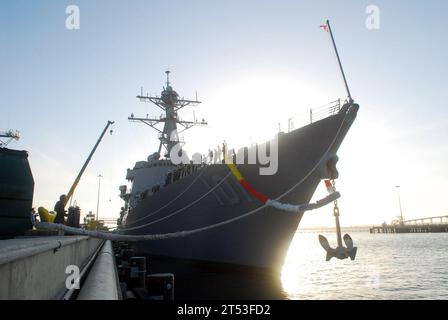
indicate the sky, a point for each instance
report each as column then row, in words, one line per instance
column 253, row 64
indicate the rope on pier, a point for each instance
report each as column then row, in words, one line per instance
column 265, row 200
column 300, row 209
column 132, row 238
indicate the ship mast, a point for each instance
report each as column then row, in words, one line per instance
column 9, row 136
column 339, row 62
column 170, row 104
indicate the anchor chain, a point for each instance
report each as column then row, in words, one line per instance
column 340, row 252
column 336, row 217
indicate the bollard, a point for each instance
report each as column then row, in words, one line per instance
column 160, row 286
column 130, row 295
column 137, row 272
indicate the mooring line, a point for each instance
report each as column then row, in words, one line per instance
column 179, row 234
column 301, row 208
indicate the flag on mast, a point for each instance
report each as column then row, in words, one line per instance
column 324, row 27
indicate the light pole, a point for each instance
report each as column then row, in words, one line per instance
column 399, row 204
column 98, row 198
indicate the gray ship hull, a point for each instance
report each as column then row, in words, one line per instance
column 257, row 235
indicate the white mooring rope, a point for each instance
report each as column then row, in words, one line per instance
column 300, row 209
column 132, row 238
column 273, row 203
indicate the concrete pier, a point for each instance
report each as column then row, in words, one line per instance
column 415, row 228
column 420, row 225
column 35, row 268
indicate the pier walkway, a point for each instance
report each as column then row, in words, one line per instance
column 36, row 267
column 421, row 225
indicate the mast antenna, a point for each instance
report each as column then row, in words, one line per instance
column 339, row 61
column 8, row 136
column 167, row 77
column 170, row 103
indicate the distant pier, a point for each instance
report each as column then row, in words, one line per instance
column 423, row 225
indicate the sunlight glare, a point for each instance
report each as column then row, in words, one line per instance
column 250, row 109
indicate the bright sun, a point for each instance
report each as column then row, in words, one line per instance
column 252, row 109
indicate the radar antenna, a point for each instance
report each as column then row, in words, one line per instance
column 170, row 103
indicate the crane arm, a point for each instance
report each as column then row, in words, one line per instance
column 75, row 184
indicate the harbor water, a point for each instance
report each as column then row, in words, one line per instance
column 387, row 266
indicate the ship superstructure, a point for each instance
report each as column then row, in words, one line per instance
column 149, row 176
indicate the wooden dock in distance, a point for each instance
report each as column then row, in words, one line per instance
column 423, row 225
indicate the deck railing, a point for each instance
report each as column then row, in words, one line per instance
column 314, row 114
column 325, row 111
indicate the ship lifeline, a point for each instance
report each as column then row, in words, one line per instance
column 235, row 227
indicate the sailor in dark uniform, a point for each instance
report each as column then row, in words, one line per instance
column 59, row 209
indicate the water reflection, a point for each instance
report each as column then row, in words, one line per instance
column 298, row 266
column 307, row 275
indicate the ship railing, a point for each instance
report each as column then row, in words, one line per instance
column 314, row 114
column 322, row 112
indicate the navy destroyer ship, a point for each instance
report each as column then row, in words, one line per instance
column 233, row 227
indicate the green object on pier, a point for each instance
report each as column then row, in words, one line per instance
column 16, row 193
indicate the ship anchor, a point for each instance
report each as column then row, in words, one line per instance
column 340, row 252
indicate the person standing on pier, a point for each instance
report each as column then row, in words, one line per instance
column 59, row 209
